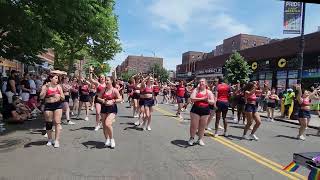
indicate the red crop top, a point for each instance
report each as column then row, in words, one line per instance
column 107, row 96
column 223, row 92
column 52, row 92
column 181, row 90
column 202, row 103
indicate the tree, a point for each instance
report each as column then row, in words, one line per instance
column 127, row 75
column 237, row 69
column 159, row 72
column 73, row 28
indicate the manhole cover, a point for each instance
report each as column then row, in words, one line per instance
column 11, row 144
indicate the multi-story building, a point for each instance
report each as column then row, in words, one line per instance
column 187, row 69
column 219, row 50
column 243, row 41
column 139, row 64
column 275, row 62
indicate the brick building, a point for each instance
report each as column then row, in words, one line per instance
column 268, row 57
column 138, row 64
column 188, row 67
column 243, row 41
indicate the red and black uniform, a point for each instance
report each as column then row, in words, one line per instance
column 147, row 101
column 201, row 107
column 241, row 101
column 75, row 91
column 303, row 113
column 156, row 89
column 130, row 88
column 251, row 107
column 181, row 90
column 135, row 94
column 106, row 109
column 100, row 88
column 55, row 105
column 84, row 93
column 223, row 93
column 272, row 101
column 92, row 92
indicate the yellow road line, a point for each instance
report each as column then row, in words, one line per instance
column 262, row 160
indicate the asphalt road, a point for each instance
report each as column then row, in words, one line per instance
column 162, row 153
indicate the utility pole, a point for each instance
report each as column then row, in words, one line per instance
column 302, row 41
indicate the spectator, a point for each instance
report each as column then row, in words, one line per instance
column 11, row 89
column 39, row 83
column 33, row 85
column 15, row 112
column 288, row 100
column 25, row 87
column 34, row 105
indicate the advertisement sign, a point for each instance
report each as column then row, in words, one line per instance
column 311, row 73
column 281, row 85
column 281, row 74
column 293, row 74
column 292, row 17
column 268, row 75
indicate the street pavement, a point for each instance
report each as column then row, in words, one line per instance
column 162, row 153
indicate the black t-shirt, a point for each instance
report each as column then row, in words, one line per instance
column 8, row 84
column 7, row 111
column 26, row 85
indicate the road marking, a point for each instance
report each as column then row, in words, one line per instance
column 258, row 158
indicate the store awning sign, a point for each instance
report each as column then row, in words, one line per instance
column 292, row 17
column 282, row 62
column 254, row 65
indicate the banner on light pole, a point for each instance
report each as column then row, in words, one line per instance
column 292, row 17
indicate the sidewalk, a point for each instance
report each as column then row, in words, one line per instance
column 314, row 121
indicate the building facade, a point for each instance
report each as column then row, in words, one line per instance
column 275, row 62
column 243, row 41
column 139, row 64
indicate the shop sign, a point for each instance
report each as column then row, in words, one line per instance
column 281, row 74
column 7, row 63
column 210, row 71
column 311, row 73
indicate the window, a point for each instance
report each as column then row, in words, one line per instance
column 233, row 43
column 254, row 44
column 245, row 41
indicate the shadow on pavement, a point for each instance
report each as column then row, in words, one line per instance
column 128, row 123
column 238, row 127
column 288, row 137
column 36, row 143
column 180, row 143
column 125, row 117
column 83, row 128
column 232, row 137
column 292, row 127
column 94, row 145
column 315, row 135
column 134, row 127
column 27, row 125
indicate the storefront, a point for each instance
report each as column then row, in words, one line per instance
column 6, row 66
column 209, row 74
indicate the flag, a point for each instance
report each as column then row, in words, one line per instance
column 314, row 174
column 292, row 167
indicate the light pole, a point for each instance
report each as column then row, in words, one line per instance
column 302, row 41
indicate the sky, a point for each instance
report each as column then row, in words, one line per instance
column 168, row 28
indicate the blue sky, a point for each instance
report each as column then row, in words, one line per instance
column 170, row 27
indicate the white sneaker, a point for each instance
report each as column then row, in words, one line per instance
column 271, row 120
column 246, row 137
column 307, row 127
column 86, row 118
column 220, row 127
column 254, row 137
column 137, row 123
column 46, row 135
column 235, row 120
column 225, row 134
column 72, row 113
column 216, row 135
column 107, row 143
column 136, row 116
column 209, row 129
column 183, row 109
column 50, row 142
column 301, row 138
column 149, row 128
column 144, row 128
column 191, row 141
column 56, row 144
column 97, row 127
column 180, row 116
column 251, row 127
column 201, row 143
column 112, row 144
column 71, row 123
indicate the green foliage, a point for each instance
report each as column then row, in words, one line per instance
column 99, row 68
column 159, row 72
column 237, row 69
column 73, row 28
column 127, row 75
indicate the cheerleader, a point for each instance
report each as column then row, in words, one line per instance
column 74, row 95
column 109, row 98
column 84, row 97
column 66, row 87
column 53, row 96
column 148, row 101
column 156, row 90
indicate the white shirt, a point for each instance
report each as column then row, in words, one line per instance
column 33, row 86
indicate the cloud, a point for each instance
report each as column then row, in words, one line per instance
column 230, row 25
column 170, row 14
